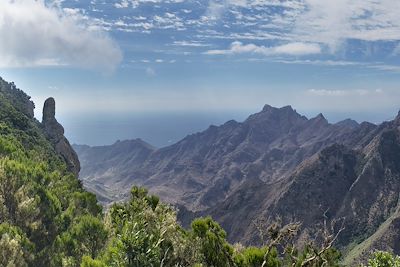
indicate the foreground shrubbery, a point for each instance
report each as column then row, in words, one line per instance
column 144, row 232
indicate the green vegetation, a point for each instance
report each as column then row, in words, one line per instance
column 144, row 232
column 384, row 259
column 48, row 219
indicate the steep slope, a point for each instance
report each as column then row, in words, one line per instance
column 41, row 199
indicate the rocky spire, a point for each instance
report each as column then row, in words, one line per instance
column 55, row 133
column 54, row 130
column 49, row 109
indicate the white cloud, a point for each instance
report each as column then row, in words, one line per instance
column 35, row 34
column 190, row 43
column 297, row 48
column 122, row 4
column 137, row 3
column 292, row 49
column 330, row 22
column 333, row 22
column 215, row 10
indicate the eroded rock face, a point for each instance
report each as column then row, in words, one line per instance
column 55, row 133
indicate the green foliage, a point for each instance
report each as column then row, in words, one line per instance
column 214, row 248
column 145, row 233
column 255, row 257
column 90, row 235
column 384, row 259
column 89, row 262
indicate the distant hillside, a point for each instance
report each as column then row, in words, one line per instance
column 109, row 164
column 277, row 163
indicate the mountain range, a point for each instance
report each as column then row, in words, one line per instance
column 276, row 165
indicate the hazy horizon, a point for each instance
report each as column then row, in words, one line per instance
column 163, row 129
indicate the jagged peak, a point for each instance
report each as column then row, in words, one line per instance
column 284, row 112
column 267, row 108
column 274, row 110
column 320, row 118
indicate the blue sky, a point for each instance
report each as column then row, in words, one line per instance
column 145, row 56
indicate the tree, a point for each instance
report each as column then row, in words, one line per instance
column 90, row 235
column 145, row 233
column 214, row 248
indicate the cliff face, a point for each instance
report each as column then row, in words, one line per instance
column 55, row 133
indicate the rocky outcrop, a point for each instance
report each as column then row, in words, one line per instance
column 55, row 133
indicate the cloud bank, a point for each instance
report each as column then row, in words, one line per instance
column 293, row 49
column 33, row 34
column 333, row 24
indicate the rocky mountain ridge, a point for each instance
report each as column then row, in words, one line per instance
column 277, row 163
column 267, row 146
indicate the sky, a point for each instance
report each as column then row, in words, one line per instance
column 155, row 67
